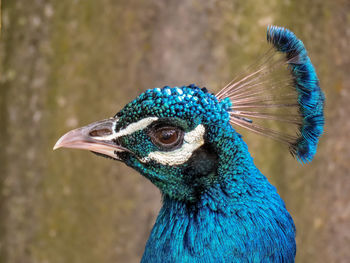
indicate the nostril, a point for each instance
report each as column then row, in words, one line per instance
column 100, row 132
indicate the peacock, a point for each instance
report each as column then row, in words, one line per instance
column 217, row 206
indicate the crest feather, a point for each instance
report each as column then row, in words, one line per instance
column 280, row 97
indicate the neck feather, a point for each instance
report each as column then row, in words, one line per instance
column 240, row 217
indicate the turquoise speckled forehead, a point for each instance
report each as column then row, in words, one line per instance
column 187, row 102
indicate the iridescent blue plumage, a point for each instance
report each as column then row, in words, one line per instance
column 229, row 213
column 185, row 102
column 217, row 206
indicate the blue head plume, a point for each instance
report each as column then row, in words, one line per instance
column 285, row 90
column 310, row 96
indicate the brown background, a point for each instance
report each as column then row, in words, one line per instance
column 66, row 63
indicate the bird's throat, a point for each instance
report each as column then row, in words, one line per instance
column 221, row 233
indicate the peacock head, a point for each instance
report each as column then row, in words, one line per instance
column 182, row 138
column 165, row 134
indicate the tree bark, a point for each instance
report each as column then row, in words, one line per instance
column 67, row 63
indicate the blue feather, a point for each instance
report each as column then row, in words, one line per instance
column 310, row 96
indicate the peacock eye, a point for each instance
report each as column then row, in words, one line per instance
column 167, row 137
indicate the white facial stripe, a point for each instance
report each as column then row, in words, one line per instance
column 114, row 124
column 192, row 141
column 131, row 128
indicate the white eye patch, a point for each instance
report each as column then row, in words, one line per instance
column 192, row 141
column 131, row 128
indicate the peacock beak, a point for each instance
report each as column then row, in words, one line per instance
column 98, row 137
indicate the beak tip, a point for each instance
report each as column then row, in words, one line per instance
column 55, row 147
column 58, row 143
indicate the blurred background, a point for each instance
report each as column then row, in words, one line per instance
column 67, row 63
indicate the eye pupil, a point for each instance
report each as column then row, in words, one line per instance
column 167, row 136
